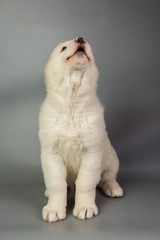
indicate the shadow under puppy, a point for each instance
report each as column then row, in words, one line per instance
column 75, row 148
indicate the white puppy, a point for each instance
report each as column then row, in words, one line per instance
column 75, row 148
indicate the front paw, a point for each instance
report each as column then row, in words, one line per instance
column 51, row 214
column 83, row 212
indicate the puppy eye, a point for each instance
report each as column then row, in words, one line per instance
column 64, row 48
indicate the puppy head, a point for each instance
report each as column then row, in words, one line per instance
column 69, row 56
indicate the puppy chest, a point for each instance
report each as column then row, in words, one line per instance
column 70, row 142
column 71, row 150
column 74, row 135
column 68, row 126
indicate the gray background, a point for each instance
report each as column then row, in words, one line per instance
column 125, row 37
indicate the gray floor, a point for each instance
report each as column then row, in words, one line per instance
column 135, row 216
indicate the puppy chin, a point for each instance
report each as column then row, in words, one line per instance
column 78, row 62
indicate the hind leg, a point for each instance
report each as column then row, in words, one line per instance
column 108, row 182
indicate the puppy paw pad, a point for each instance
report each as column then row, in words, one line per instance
column 85, row 212
column 112, row 189
column 51, row 215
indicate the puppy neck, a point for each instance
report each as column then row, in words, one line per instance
column 74, row 87
column 75, row 79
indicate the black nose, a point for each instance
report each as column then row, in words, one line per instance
column 80, row 40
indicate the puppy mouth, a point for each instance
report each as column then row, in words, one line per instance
column 80, row 51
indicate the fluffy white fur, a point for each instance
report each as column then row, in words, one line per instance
column 75, row 148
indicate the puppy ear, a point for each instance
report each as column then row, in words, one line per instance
column 46, row 73
column 48, row 70
column 53, row 79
